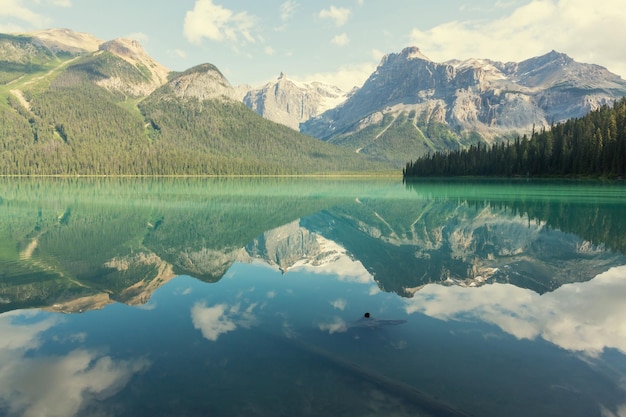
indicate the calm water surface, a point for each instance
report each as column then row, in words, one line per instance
column 246, row 297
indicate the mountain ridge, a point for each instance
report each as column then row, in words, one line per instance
column 408, row 107
column 116, row 111
column 287, row 102
column 470, row 101
column 67, row 40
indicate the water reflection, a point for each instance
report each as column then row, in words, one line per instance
column 72, row 247
column 245, row 297
column 56, row 385
column 221, row 318
column 585, row 317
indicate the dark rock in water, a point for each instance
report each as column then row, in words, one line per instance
column 368, row 321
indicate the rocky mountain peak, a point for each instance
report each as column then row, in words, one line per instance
column 413, row 52
column 203, row 82
column 411, row 94
column 66, row 40
column 558, row 69
column 407, row 54
column 290, row 103
column 550, row 57
column 126, row 48
column 405, row 78
column 132, row 52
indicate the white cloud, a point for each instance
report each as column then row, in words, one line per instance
column 211, row 321
column 585, row 317
column 339, row 15
column 24, row 336
column 55, row 386
column 339, row 304
column 217, row 23
column 62, row 3
column 269, row 51
column 179, row 53
column 138, row 36
column 620, row 411
column 345, row 77
column 337, row 325
column 287, row 10
column 374, row 289
column 377, row 54
column 221, row 318
column 587, row 31
column 15, row 9
column 60, row 386
column 26, row 17
column 11, row 28
column 341, row 40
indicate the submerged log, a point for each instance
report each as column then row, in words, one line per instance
column 427, row 403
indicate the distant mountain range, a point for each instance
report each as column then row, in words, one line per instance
column 72, row 104
column 411, row 105
column 77, row 104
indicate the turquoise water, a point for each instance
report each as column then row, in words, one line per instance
column 205, row 297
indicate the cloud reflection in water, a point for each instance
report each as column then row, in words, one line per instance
column 586, row 317
column 221, row 318
column 54, row 385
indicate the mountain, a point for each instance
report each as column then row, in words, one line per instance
column 73, row 104
column 66, row 41
column 197, row 111
column 411, row 105
column 69, row 107
column 590, row 146
column 289, row 103
column 466, row 243
column 69, row 245
column 132, row 53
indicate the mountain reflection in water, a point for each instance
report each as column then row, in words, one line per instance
column 487, row 279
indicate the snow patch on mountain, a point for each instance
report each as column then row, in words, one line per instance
column 478, row 95
column 290, row 103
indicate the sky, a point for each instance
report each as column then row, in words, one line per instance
column 339, row 42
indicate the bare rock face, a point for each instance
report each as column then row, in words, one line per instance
column 489, row 97
column 155, row 74
column 289, row 103
column 67, row 40
column 203, row 82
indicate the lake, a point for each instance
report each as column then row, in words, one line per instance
column 248, row 297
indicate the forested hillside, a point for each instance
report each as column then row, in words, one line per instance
column 71, row 114
column 591, row 146
column 406, row 134
column 222, row 136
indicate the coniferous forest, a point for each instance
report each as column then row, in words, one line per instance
column 59, row 117
column 590, row 146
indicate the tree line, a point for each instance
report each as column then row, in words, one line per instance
column 590, row 146
column 77, row 128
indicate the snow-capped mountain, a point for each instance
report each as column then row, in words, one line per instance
column 446, row 242
column 431, row 106
column 291, row 103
